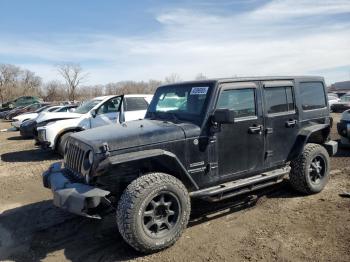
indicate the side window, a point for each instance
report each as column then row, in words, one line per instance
column 279, row 99
column 135, row 103
column 63, row 109
column 110, row 106
column 312, row 95
column 242, row 101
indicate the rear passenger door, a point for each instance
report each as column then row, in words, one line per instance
column 134, row 108
column 281, row 120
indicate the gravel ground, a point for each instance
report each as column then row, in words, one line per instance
column 279, row 225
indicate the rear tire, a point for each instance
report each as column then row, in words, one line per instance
column 153, row 212
column 310, row 171
column 61, row 145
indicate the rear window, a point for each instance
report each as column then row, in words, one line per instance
column 135, row 103
column 312, row 95
column 279, row 99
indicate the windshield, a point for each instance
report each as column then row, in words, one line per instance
column 41, row 109
column 87, row 106
column 345, row 99
column 180, row 102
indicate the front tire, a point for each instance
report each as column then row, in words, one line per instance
column 61, row 145
column 153, row 212
column 310, row 171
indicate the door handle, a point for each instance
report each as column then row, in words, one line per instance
column 291, row 123
column 255, row 129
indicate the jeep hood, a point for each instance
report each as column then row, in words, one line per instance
column 46, row 116
column 135, row 133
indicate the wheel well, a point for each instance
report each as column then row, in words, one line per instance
column 319, row 137
column 58, row 138
column 132, row 170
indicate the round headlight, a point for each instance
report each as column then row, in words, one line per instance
column 91, row 157
column 88, row 160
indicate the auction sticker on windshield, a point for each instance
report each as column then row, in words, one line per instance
column 202, row 90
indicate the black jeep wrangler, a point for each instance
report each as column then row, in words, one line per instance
column 211, row 139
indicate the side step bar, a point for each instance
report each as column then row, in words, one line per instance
column 241, row 186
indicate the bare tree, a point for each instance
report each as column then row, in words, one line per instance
column 8, row 80
column 173, row 78
column 153, row 85
column 91, row 91
column 200, row 76
column 54, row 91
column 73, row 75
column 30, row 82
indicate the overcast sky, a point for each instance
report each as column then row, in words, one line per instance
column 142, row 40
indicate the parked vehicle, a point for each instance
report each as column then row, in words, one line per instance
column 227, row 137
column 28, row 128
column 344, row 128
column 19, row 119
column 332, row 99
column 22, row 101
column 53, row 129
column 342, row 105
column 4, row 113
column 22, row 110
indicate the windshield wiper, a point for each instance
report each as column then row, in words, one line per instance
column 163, row 115
column 174, row 116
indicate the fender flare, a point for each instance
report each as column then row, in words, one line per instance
column 65, row 130
column 153, row 155
column 303, row 137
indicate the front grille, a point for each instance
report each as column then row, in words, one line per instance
column 74, row 157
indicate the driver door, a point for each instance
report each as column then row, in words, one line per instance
column 240, row 145
column 107, row 113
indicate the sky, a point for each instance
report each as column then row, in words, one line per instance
column 151, row 39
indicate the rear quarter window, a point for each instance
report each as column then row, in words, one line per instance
column 279, row 99
column 312, row 95
column 135, row 103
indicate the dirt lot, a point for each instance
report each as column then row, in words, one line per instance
column 281, row 225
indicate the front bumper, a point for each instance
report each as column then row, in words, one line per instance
column 72, row 196
column 27, row 130
column 16, row 124
column 41, row 140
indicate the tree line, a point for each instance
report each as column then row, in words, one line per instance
column 15, row 82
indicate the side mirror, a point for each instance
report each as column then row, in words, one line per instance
column 223, row 116
column 93, row 113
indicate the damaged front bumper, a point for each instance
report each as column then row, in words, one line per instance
column 75, row 197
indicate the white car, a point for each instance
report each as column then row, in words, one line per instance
column 53, row 129
column 18, row 120
column 332, row 99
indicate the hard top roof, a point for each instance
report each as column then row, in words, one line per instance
column 255, row 78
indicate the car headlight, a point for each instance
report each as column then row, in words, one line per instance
column 88, row 160
column 91, row 157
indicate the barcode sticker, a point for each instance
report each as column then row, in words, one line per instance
column 202, row 90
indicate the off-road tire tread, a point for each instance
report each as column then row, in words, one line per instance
column 132, row 195
column 297, row 175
